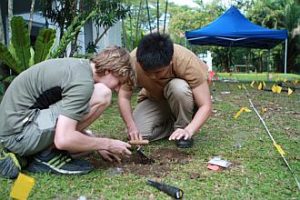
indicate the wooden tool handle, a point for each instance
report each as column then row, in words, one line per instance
column 138, row 142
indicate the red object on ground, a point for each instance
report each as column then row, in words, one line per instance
column 211, row 75
column 214, row 167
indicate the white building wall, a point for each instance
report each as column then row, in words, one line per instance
column 111, row 37
column 88, row 34
column 81, row 41
column 207, row 58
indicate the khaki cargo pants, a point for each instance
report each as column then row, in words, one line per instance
column 158, row 119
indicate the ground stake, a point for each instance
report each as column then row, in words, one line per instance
column 278, row 147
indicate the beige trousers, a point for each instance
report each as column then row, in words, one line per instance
column 158, row 119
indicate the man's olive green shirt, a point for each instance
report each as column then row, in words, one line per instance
column 69, row 80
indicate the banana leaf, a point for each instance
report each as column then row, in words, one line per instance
column 43, row 44
column 7, row 58
column 77, row 23
column 20, row 41
column 31, row 61
column 9, row 79
column 1, row 89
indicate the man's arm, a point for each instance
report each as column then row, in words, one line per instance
column 124, row 98
column 203, row 100
column 67, row 138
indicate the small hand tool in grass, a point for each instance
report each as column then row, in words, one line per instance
column 144, row 158
column 138, row 142
column 172, row 191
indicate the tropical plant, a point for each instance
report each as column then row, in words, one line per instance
column 108, row 13
column 73, row 30
column 60, row 12
column 136, row 24
column 280, row 14
column 71, row 15
column 145, row 16
column 20, row 55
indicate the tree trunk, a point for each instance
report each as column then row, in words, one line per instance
column 225, row 61
column 260, row 63
column 100, row 36
column 225, row 64
column 10, row 15
column 31, row 16
column 131, row 35
column 148, row 14
column 165, row 19
column 2, row 40
column 74, row 47
column 138, row 21
column 157, row 15
column 293, row 52
column 124, row 35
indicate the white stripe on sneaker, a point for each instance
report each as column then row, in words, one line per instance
column 61, row 171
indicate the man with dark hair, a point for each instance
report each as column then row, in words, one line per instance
column 174, row 100
column 46, row 109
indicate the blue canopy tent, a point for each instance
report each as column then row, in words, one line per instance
column 232, row 29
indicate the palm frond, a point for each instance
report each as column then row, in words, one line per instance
column 7, row 58
column 20, row 41
column 43, row 44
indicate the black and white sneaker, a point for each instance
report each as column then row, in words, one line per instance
column 59, row 162
column 9, row 164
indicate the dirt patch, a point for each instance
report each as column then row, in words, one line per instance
column 163, row 159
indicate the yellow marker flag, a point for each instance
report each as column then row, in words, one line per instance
column 274, row 88
column 243, row 86
column 22, row 187
column 246, row 109
column 279, row 149
column 290, row 91
column 240, row 87
column 238, row 113
column 243, row 109
column 278, row 89
column 252, row 84
column 260, row 86
column 263, row 110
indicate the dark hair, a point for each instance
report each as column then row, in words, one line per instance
column 155, row 51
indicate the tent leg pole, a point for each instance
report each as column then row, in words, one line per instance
column 285, row 56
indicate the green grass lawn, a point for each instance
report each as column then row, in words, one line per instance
column 257, row 171
column 274, row 77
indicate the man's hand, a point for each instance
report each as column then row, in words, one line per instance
column 134, row 134
column 116, row 150
column 106, row 155
column 180, row 133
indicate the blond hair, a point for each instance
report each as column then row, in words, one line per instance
column 117, row 60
